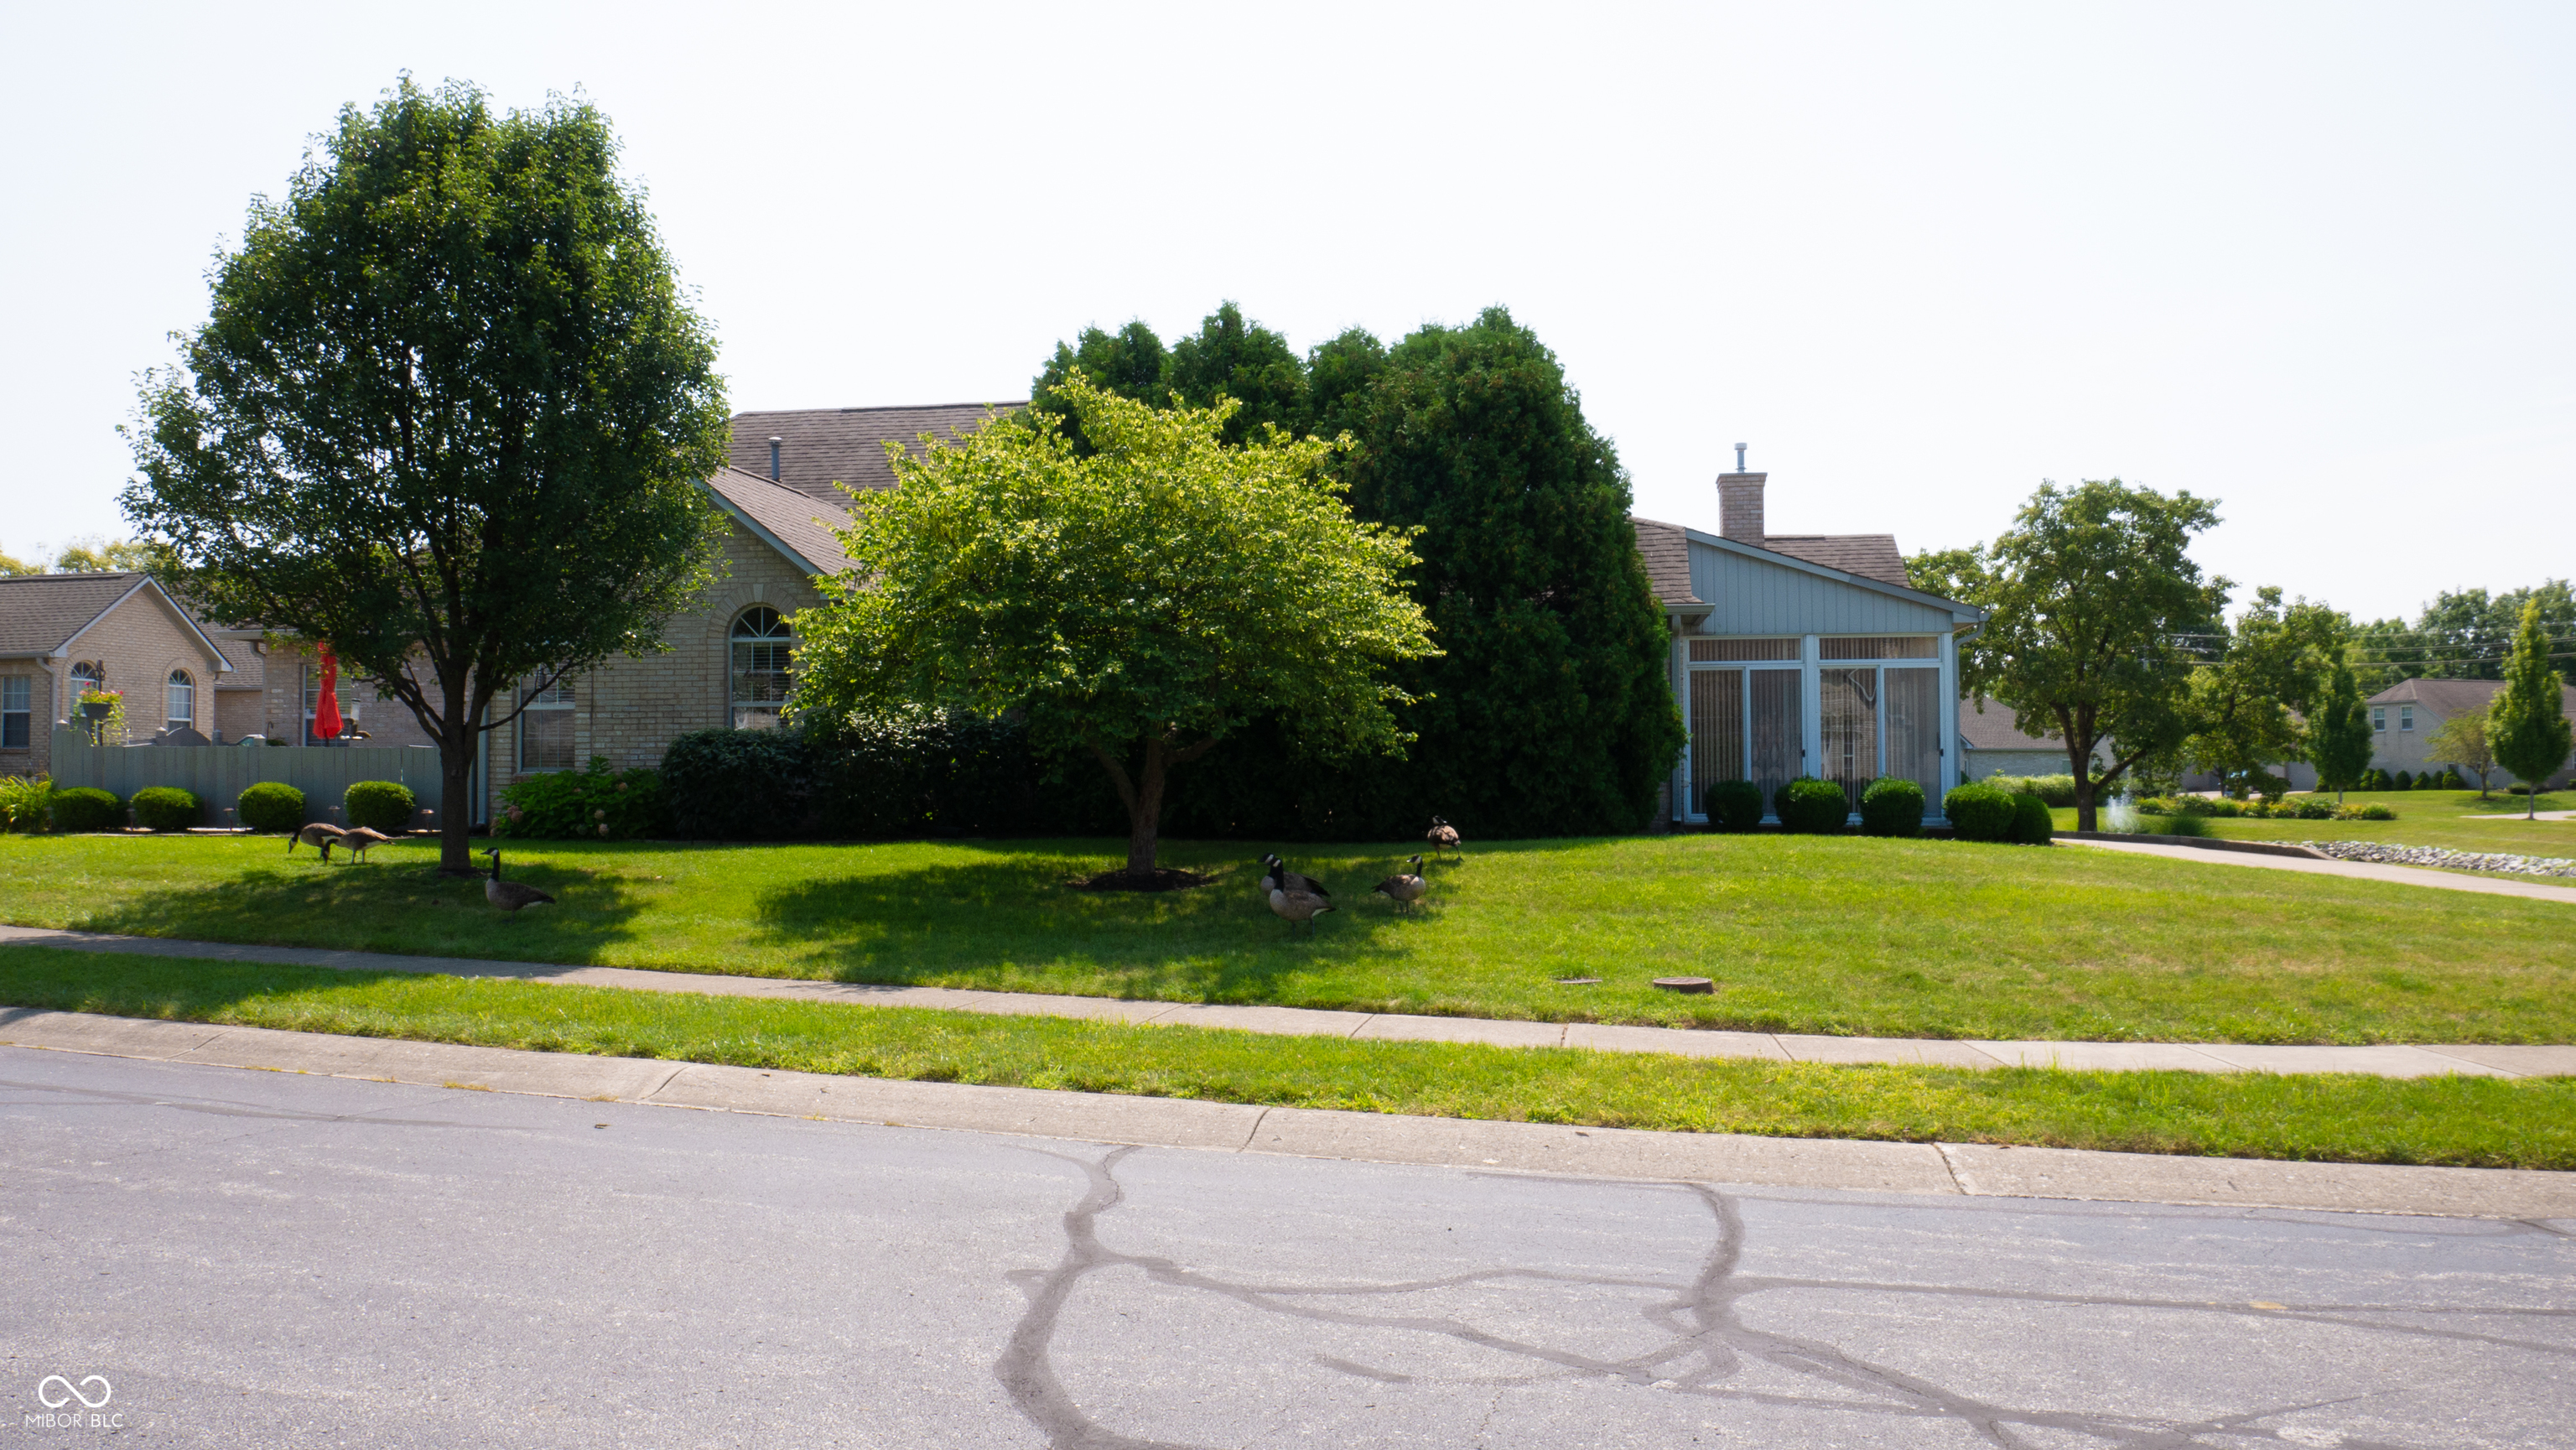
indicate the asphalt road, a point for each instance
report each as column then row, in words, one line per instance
column 253, row 1258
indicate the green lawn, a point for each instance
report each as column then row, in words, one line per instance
column 1836, row 935
column 2449, row 818
column 2478, row 1122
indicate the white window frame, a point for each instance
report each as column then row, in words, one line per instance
column 2379, row 719
column 739, row 707
column 2405, row 718
column 179, row 689
column 18, row 706
column 557, row 698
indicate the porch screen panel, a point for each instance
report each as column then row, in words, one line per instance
column 1914, row 730
column 1717, row 731
column 1775, row 743
column 1847, row 718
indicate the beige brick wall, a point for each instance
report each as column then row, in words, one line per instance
column 37, row 758
column 136, row 645
column 291, row 668
column 631, row 709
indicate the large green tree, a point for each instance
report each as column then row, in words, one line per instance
column 1140, row 602
column 2339, row 736
column 2246, row 707
column 450, row 415
column 2527, row 720
column 2098, row 621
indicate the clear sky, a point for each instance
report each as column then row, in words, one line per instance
column 2311, row 260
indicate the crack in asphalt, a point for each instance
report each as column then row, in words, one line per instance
column 1708, row 1343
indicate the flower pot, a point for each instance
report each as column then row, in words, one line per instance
column 95, row 712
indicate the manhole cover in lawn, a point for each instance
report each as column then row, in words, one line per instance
column 1686, row 984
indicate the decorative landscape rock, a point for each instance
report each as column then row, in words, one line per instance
column 2385, row 854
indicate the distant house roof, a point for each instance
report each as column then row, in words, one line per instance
column 795, row 524
column 1666, row 550
column 42, row 614
column 819, row 447
column 2443, row 699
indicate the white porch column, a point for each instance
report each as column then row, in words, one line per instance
column 1950, row 762
column 1811, row 727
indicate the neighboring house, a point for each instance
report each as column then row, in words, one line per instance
column 61, row 633
column 1802, row 654
column 2404, row 716
column 1991, row 744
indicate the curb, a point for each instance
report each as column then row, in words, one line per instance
column 1950, row 1169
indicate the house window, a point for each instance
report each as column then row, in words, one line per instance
column 545, row 724
column 1899, row 647
column 87, row 675
column 17, row 711
column 2379, row 719
column 341, row 693
column 762, row 644
column 181, row 713
column 2405, row 717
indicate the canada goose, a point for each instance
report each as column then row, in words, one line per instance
column 1403, row 888
column 509, row 895
column 1279, row 875
column 320, row 833
column 358, row 839
column 1295, row 904
column 1442, row 836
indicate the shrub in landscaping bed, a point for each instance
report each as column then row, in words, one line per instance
column 596, row 804
column 1891, row 807
column 272, row 806
column 25, row 801
column 168, row 808
column 87, row 808
column 739, row 785
column 2176, row 825
column 2356, row 811
column 2057, row 790
column 1979, row 811
column 2403, row 781
column 1734, row 805
column 1811, row 806
column 2032, row 823
column 2311, row 808
column 380, row 805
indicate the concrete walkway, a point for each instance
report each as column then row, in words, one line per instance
column 2392, row 1060
column 2359, row 870
column 1948, row 1169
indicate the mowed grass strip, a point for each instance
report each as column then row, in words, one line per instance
column 1841, row 935
column 2455, row 819
column 2476, row 1122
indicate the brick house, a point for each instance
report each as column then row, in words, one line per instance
column 61, row 633
column 2404, row 716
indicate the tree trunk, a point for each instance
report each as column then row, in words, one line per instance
column 2080, row 763
column 456, row 744
column 1145, row 811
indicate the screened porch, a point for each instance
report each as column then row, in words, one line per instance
column 1848, row 709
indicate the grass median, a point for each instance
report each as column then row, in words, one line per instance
column 1842, row 935
column 2463, row 1121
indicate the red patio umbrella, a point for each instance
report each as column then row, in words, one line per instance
column 326, row 710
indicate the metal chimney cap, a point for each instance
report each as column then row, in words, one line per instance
column 775, row 440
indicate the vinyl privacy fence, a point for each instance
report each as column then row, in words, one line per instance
column 218, row 774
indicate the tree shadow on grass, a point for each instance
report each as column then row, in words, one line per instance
column 1007, row 917
column 396, row 903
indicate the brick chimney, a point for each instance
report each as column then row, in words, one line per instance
column 1739, row 503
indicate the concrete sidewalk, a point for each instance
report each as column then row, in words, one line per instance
column 1880, row 1167
column 2384, row 1060
column 2358, row 870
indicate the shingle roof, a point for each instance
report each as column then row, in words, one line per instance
column 1993, row 729
column 1871, row 556
column 2446, row 698
column 802, row 523
column 1666, row 550
column 38, row 612
column 823, row 446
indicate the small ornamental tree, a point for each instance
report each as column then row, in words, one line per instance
column 2339, row 742
column 2527, row 720
column 2462, row 740
column 451, row 414
column 1140, row 603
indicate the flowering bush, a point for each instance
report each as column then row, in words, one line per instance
column 597, row 804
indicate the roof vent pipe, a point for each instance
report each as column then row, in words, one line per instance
column 773, row 458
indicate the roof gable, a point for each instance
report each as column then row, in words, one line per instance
column 821, row 447
column 2446, row 698
column 796, row 525
column 42, row 614
column 1729, row 574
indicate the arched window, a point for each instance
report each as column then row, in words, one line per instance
column 182, row 712
column 87, row 676
column 762, row 643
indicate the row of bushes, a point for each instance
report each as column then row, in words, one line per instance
column 2443, row 779
column 32, row 804
column 2303, row 808
column 2055, row 790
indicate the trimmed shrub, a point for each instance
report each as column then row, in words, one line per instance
column 2312, row 808
column 2032, row 823
column 2175, row 825
column 87, row 808
column 168, row 808
column 2375, row 811
column 2401, row 781
column 2451, row 780
column 1811, row 806
column 1891, row 807
column 2057, row 790
column 1734, row 805
column 272, row 806
column 1979, row 811
column 596, row 804
column 380, row 805
column 739, row 785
